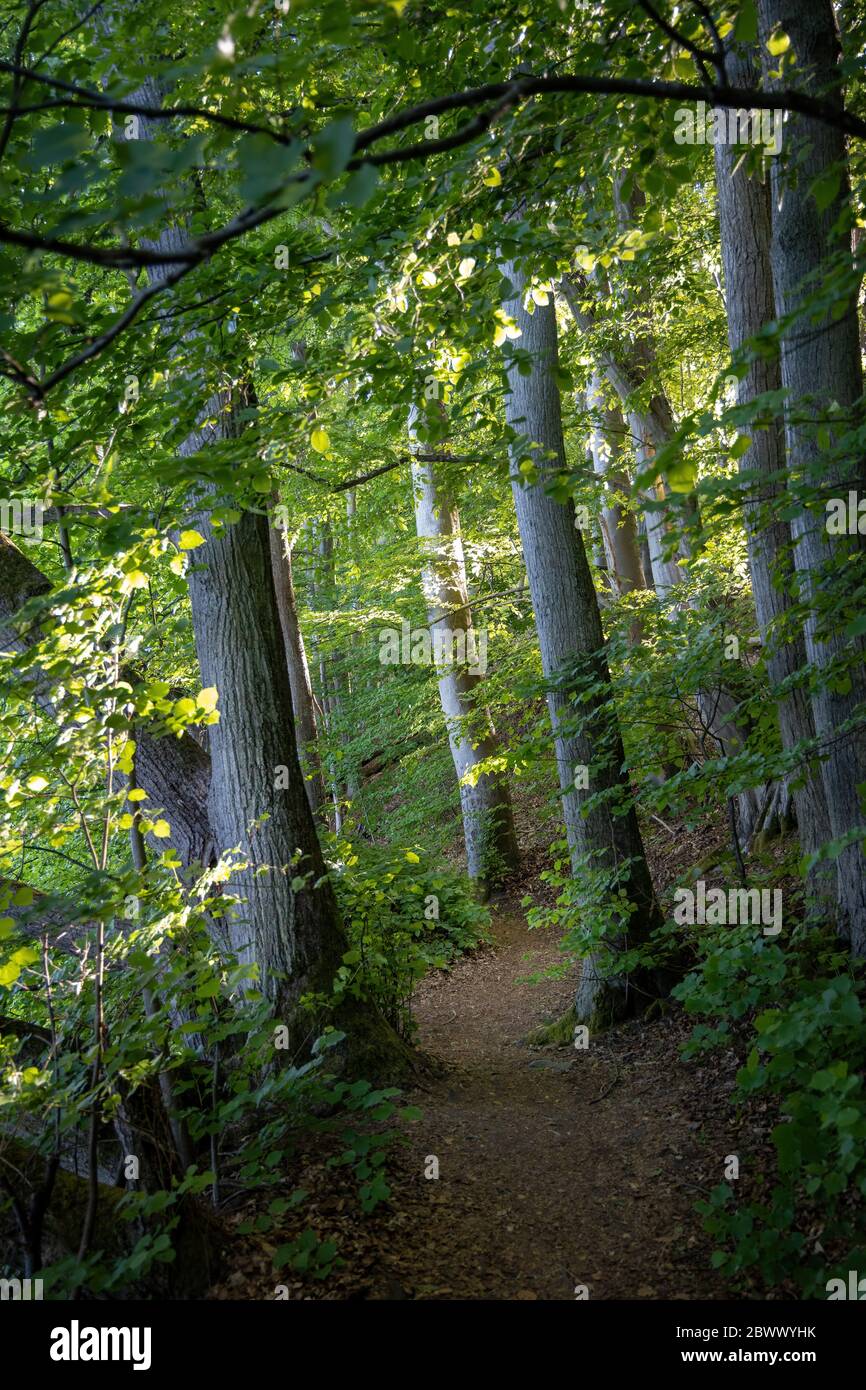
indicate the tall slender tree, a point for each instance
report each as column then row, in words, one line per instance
column 822, row 378
column 600, row 820
column 488, row 823
column 745, row 229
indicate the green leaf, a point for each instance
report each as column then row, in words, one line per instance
column 333, row 146
column 359, row 189
column 58, row 143
column 825, row 188
column 746, row 26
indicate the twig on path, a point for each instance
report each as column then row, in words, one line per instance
column 664, row 824
column 607, row 1092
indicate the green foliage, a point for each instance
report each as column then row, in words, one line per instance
column 798, row 1015
column 403, row 916
column 228, row 1075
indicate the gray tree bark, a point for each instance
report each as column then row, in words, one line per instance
column 488, row 822
column 258, row 801
column 306, row 731
column 745, row 227
column 821, row 371
column 569, row 630
column 652, row 428
column 618, row 526
column 649, row 428
column 176, row 773
column 330, row 673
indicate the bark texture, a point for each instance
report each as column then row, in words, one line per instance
column 257, row 800
column 821, row 375
column 618, row 526
column 745, row 227
column 569, row 633
column 488, row 823
column 306, row 730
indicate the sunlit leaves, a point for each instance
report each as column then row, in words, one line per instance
column 506, row 328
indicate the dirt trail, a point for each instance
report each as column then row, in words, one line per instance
column 557, row 1167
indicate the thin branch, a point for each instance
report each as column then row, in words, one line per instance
column 88, row 100
column 504, row 94
column 120, row 324
column 384, row 468
column 701, row 55
column 18, row 82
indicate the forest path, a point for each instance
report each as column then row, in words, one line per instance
column 557, row 1167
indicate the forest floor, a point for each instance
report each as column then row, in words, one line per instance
column 557, row 1167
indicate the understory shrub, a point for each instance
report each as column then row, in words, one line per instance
column 403, row 915
column 798, row 1015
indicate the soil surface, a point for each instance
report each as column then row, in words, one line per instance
column 562, row 1172
column 558, row 1167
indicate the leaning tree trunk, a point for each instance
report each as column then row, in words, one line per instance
column 745, row 226
column 589, row 751
column 651, row 428
column 306, row 731
column 821, row 375
column 488, row 823
column 618, row 526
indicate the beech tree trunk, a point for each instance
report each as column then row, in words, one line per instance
column 306, row 731
column 745, row 226
column 586, row 733
column 330, row 675
column 821, row 374
column 618, row 526
column 258, row 803
column 488, row 823
column 651, row 428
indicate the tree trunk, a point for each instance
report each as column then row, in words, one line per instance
column 257, row 798
column 618, row 526
column 306, row 732
column 651, row 428
column 488, row 823
column 821, row 372
column 586, row 732
column 258, row 802
column 330, row 675
column 745, row 226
